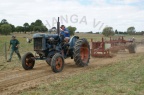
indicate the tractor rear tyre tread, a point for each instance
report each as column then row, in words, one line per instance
column 81, row 52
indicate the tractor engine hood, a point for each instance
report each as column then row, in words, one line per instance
column 44, row 35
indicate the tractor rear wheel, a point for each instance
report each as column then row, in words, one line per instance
column 57, row 63
column 81, row 52
column 131, row 48
column 28, row 61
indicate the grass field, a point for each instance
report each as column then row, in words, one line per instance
column 122, row 78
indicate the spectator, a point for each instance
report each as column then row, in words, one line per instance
column 14, row 43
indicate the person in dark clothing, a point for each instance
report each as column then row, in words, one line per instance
column 14, row 44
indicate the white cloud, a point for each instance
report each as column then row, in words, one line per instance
column 118, row 16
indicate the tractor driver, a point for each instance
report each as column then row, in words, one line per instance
column 65, row 33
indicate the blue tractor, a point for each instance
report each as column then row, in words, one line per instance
column 50, row 47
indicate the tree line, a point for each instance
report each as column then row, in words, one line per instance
column 108, row 31
column 6, row 28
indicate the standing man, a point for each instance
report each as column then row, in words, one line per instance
column 14, row 43
column 65, row 33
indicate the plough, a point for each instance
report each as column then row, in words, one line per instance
column 104, row 48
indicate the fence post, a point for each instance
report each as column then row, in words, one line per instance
column 5, row 49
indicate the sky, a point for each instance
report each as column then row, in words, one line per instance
column 85, row 15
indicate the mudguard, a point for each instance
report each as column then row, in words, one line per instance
column 72, row 41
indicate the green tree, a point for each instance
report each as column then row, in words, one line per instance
column 19, row 29
column 116, row 32
column 71, row 30
column 5, row 29
column 4, row 21
column 38, row 23
column 26, row 27
column 32, row 26
column 108, row 31
column 131, row 30
column 44, row 28
column 13, row 27
column 38, row 26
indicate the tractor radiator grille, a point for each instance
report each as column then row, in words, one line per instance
column 37, row 43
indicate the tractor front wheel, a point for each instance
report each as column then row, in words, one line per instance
column 81, row 52
column 28, row 61
column 57, row 63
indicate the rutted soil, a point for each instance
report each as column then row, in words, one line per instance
column 14, row 81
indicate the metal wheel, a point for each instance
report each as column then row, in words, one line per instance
column 81, row 52
column 28, row 61
column 57, row 63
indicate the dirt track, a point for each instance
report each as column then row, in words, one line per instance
column 14, row 81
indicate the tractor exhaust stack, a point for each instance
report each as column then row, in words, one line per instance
column 58, row 27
